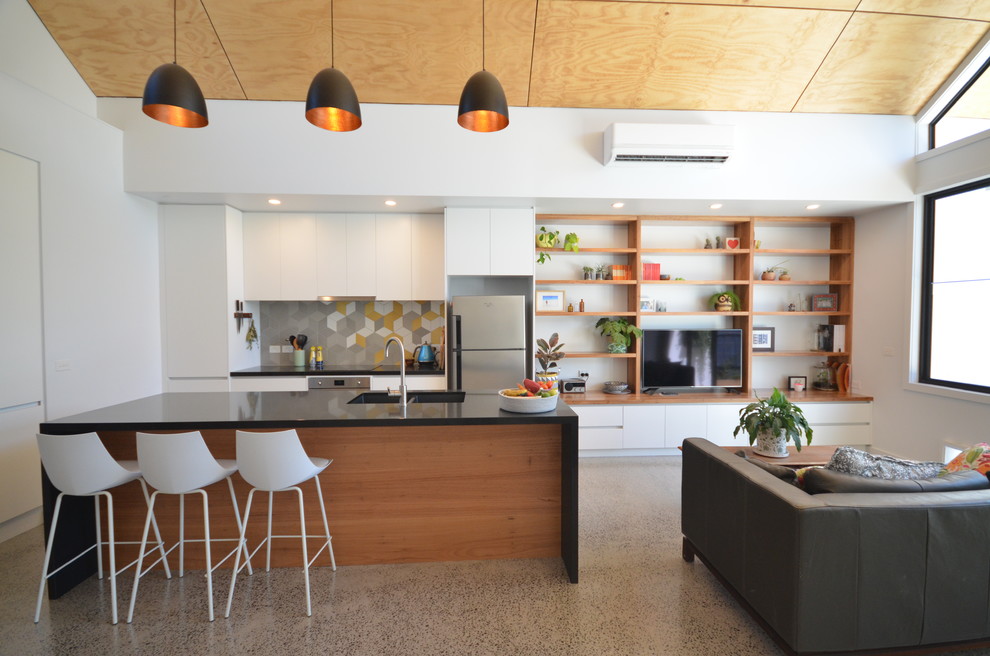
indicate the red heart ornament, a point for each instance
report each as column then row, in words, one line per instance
column 732, row 242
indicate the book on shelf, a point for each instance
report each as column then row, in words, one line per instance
column 651, row 271
column 621, row 272
column 831, row 338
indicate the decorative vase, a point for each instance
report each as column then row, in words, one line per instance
column 544, row 376
column 769, row 275
column 770, row 445
column 616, row 347
column 784, row 276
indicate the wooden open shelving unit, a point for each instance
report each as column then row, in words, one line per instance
column 839, row 253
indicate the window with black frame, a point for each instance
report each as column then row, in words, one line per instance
column 955, row 301
column 968, row 113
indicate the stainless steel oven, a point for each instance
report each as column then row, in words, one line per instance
column 339, row 383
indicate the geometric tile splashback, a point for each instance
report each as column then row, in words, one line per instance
column 350, row 332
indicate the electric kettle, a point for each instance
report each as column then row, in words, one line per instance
column 424, row 353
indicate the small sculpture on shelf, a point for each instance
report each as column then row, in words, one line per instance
column 708, row 242
column 571, row 242
column 724, row 301
column 718, row 241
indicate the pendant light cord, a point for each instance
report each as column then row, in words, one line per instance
column 482, row 34
column 175, row 32
column 333, row 26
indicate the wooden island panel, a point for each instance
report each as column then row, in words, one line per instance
column 415, row 494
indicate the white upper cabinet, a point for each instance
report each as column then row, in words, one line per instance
column 427, row 258
column 262, row 257
column 362, row 256
column 512, row 242
column 291, row 257
column 467, row 247
column 394, row 264
column 297, row 244
column 331, row 255
column 483, row 242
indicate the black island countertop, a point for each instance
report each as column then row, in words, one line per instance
column 415, row 369
column 317, row 408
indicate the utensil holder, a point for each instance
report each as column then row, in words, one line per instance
column 299, row 358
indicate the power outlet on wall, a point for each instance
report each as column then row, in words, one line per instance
column 275, row 348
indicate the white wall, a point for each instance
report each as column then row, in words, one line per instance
column 99, row 245
column 268, row 147
column 906, row 422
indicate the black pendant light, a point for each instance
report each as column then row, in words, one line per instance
column 331, row 103
column 171, row 94
column 483, row 107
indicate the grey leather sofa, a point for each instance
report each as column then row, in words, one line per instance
column 839, row 572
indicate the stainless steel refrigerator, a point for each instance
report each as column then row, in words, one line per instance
column 488, row 344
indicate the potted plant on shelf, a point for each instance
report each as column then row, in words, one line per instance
column 724, row 301
column 601, row 272
column 546, row 239
column 571, row 242
column 770, row 272
column 589, row 272
column 548, row 353
column 619, row 332
column 770, row 423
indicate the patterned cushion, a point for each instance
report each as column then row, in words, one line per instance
column 975, row 457
column 848, row 460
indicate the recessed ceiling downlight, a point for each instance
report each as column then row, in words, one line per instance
column 274, row 201
column 813, row 206
column 618, row 205
column 715, row 206
column 391, row 203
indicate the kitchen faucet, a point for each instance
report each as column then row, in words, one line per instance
column 402, row 370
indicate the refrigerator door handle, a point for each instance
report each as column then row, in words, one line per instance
column 455, row 351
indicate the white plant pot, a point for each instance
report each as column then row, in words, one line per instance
column 770, row 445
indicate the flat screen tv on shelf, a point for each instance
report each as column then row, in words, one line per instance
column 692, row 358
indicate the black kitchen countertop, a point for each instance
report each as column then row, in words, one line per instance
column 309, row 409
column 415, row 369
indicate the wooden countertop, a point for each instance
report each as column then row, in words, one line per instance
column 809, row 396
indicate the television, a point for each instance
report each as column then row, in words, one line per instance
column 692, row 358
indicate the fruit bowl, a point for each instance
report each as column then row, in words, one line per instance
column 526, row 404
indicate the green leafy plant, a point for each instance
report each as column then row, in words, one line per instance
column 546, row 239
column 715, row 299
column 571, row 242
column 618, row 330
column 548, row 352
column 776, row 416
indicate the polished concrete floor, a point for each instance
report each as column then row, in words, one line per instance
column 636, row 596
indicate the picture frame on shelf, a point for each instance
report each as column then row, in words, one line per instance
column 824, row 302
column 550, row 300
column 797, row 383
column 646, row 304
column 763, row 339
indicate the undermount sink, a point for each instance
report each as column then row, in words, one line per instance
column 438, row 396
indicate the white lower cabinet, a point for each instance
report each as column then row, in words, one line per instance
column 382, row 383
column 268, row 384
column 599, row 426
column 667, row 425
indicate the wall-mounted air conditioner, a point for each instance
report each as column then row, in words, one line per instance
column 630, row 144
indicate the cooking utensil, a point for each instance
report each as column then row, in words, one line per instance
column 301, row 341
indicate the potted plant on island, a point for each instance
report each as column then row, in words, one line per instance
column 771, row 422
column 619, row 332
column 724, row 301
column 548, row 353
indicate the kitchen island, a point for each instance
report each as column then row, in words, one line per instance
column 433, row 482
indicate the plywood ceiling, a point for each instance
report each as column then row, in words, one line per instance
column 833, row 56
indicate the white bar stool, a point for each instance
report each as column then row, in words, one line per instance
column 276, row 462
column 80, row 466
column 181, row 463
